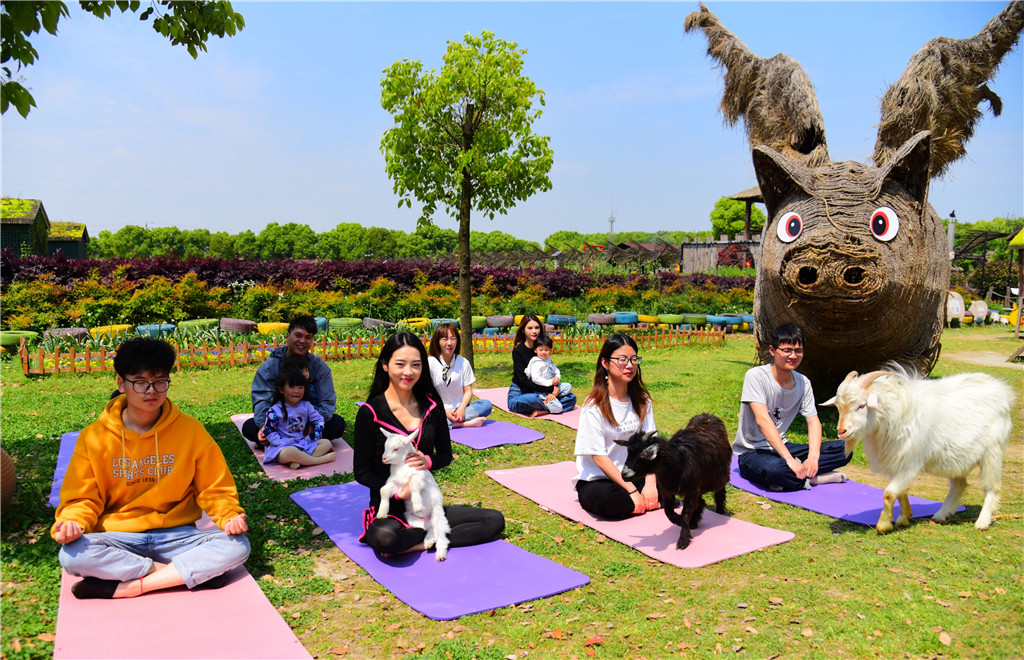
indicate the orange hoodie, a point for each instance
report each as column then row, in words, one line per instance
column 122, row 481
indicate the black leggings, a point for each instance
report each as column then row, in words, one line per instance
column 470, row 525
column 332, row 429
column 606, row 499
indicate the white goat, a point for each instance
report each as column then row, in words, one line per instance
column 427, row 510
column 944, row 427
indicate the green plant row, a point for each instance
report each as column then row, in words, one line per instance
column 42, row 303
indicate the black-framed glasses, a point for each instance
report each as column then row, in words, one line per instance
column 143, row 386
column 622, row 360
column 790, row 351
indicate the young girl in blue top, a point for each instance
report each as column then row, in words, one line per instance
column 287, row 419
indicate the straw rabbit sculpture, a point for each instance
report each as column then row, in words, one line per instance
column 852, row 253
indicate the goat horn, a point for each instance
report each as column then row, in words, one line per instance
column 867, row 379
column 849, row 377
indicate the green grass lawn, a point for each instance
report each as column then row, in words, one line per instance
column 836, row 590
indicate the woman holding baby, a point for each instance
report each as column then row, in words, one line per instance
column 403, row 399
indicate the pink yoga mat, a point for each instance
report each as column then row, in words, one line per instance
column 717, row 538
column 342, row 463
column 235, row 621
column 498, row 396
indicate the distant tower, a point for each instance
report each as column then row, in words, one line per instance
column 611, row 225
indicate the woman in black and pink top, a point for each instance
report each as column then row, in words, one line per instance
column 403, row 399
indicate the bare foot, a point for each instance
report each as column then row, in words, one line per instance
column 326, row 458
column 295, row 465
column 473, row 423
column 419, row 547
column 538, row 413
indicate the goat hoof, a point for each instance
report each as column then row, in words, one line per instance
column 441, row 556
column 903, row 522
column 682, row 545
column 883, row 527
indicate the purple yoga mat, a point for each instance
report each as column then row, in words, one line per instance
column 494, row 433
column 498, row 396
column 852, row 501
column 471, row 580
column 67, row 448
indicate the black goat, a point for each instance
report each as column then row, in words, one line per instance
column 695, row 461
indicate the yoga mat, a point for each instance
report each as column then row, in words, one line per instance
column 342, row 463
column 67, row 448
column 498, row 396
column 471, row 580
column 494, row 433
column 717, row 537
column 235, row 621
column 852, row 501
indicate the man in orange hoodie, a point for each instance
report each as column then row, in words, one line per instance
column 140, row 478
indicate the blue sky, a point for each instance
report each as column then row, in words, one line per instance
column 282, row 123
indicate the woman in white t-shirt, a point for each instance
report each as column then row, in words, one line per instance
column 453, row 377
column 617, row 407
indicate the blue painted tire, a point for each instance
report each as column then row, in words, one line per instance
column 626, row 318
column 561, row 319
column 154, row 329
column 714, row 319
column 321, row 323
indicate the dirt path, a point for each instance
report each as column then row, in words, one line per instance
column 986, row 358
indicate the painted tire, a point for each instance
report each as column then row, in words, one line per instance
column 479, row 322
column 154, row 330
column 715, row 319
column 695, row 319
column 626, row 318
column 748, row 318
column 671, row 319
column 321, row 323
column 436, row 322
column 561, row 319
column 77, row 333
column 501, row 321
column 12, row 338
column 271, row 328
column 344, row 322
column 733, row 319
column 199, row 324
column 416, row 323
column 601, row 319
column 241, row 325
column 492, row 330
column 110, row 330
column 376, row 323
column 644, row 318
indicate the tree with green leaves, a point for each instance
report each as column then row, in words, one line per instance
column 463, row 139
column 183, row 22
column 729, row 216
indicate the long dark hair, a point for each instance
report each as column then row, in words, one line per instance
column 422, row 388
column 639, row 397
column 292, row 377
column 440, row 332
column 521, row 332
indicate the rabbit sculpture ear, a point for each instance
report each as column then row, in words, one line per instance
column 779, row 178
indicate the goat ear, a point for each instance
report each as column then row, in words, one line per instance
column 873, row 401
column 619, row 441
column 830, row 402
column 650, row 453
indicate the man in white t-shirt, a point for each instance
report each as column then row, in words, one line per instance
column 772, row 396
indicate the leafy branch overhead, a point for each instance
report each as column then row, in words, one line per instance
column 183, row 22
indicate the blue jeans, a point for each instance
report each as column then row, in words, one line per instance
column 524, row 404
column 478, row 408
column 766, row 468
column 199, row 555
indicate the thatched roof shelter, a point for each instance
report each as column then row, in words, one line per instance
column 750, row 196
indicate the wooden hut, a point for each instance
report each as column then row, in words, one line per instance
column 750, row 196
column 25, row 225
column 68, row 237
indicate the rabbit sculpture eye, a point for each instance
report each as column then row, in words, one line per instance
column 852, row 253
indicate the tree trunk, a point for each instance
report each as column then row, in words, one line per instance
column 465, row 291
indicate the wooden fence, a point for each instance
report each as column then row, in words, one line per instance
column 191, row 357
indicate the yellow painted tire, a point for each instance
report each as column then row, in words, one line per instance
column 643, row 318
column 417, row 323
column 109, row 330
column 271, row 327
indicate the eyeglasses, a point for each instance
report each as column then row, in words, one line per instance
column 623, row 360
column 790, row 351
column 142, row 386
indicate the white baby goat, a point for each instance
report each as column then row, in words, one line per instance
column 427, row 510
column 944, row 427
